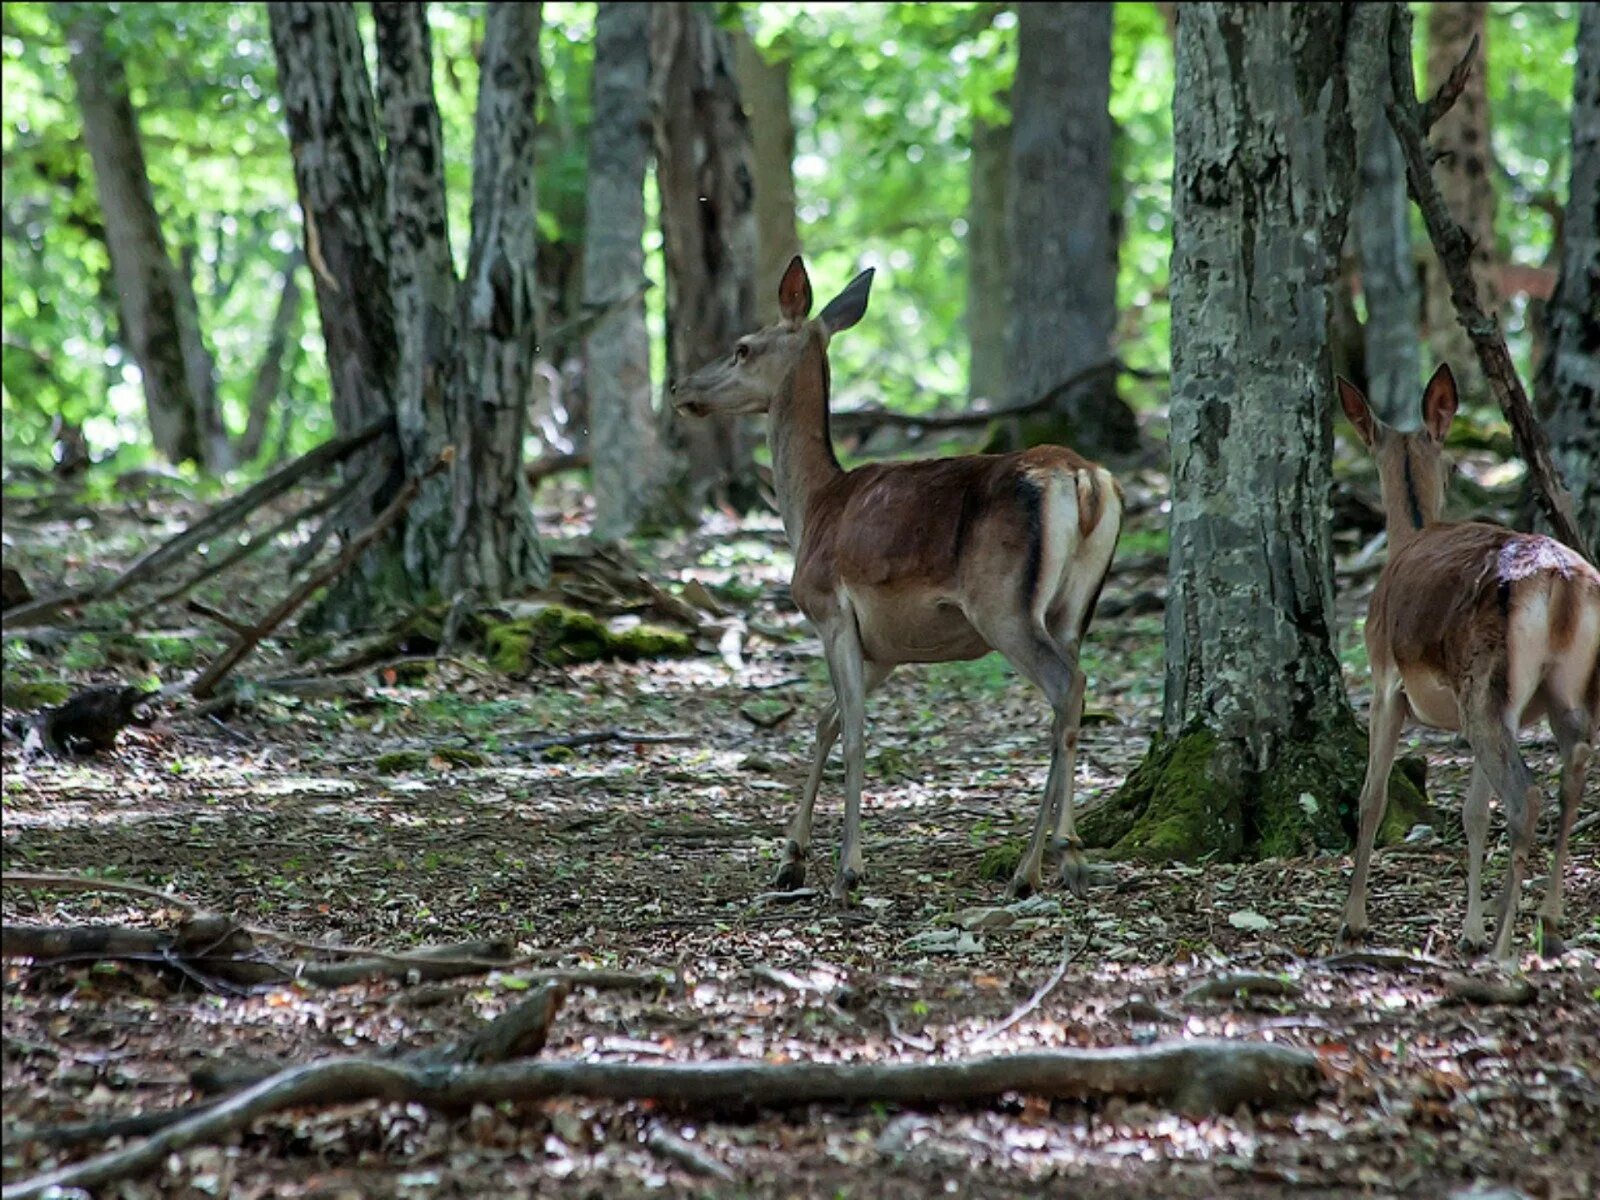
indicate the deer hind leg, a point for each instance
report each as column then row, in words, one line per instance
column 1495, row 745
column 1383, row 735
column 1475, row 819
column 847, row 667
column 1575, row 733
column 793, row 871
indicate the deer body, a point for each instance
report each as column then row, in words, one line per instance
column 1483, row 630
column 919, row 562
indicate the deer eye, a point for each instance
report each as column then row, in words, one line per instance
column 741, row 352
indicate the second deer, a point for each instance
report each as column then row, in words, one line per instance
column 919, row 562
column 1477, row 628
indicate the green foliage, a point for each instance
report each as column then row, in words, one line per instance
column 557, row 636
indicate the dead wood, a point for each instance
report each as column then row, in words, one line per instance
column 547, row 465
column 80, row 883
column 685, row 1153
column 218, row 521
column 597, row 738
column 1227, row 987
column 206, row 685
column 1033, row 1002
column 198, row 608
column 1473, row 989
column 1412, row 120
column 1197, row 1078
column 1380, row 960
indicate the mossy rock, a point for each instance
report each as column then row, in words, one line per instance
column 400, row 762
column 28, row 695
column 558, row 635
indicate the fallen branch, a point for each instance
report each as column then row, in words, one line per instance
column 81, row 883
column 1201, row 1077
column 547, row 465
column 201, row 609
column 685, row 1153
column 234, row 654
column 1380, row 960
column 1050, row 985
column 219, row 520
column 1227, row 987
column 599, row 737
column 1412, row 120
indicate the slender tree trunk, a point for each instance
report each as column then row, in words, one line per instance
column 705, row 175
column 988, row 310
column 1466, row 177
column 1382, row 225
column 1063, row 262
column 1259, row 752
column 159, row 317
column 494, row 544
column 764, row 88
column 277, row 360
column 623, row 445
column 1568, row 385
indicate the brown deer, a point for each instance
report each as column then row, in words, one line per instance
column 928, row 561
column 1476, row 628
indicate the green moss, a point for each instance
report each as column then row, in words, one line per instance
column 39, row 693
column 559, row 754
column 459, row 757
column 1183, row 802
column 398, row 762
column 999, row 863
column 84, row 653
column 558, row 635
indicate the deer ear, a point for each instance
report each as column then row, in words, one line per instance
column 1358, row 411
column 1439, row 402
column 850, row 305
column 794, row 293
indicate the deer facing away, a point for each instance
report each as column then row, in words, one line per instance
column 927, row 561
column 1476, row 628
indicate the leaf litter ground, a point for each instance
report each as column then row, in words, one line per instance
column 301, row 817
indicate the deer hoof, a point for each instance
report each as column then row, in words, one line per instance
column 1021, row 888
column 1351, row 935
column 846, row 883
column 1075, row 873
column 791, row 875
column 1470, row 945
column 1551, row 943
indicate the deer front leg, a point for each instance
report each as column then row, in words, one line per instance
column 1475, row 819
column 1573, row 737
column 842, row 645
column 1383, row 735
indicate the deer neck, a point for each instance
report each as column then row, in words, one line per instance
column 803, row 461
column 1408, row 505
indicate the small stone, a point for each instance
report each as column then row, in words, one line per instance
column 985, row 918
column 1245, row 919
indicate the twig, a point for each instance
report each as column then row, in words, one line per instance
column 81, row 883
column 200, row 609
column 1197, row 1077
column 1380, row 960
column 1050, row 985
column 234, row 654
column 1411, row 121
column 685, row 1153
column 599, row 737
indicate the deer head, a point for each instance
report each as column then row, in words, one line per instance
column 750, row 378
column 1412, row 471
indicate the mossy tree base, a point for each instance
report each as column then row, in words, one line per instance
column 1197, row 795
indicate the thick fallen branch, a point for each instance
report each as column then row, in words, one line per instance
column 218, row 521
column 234, row 654
column 1198, row 1078
column 1412, row 120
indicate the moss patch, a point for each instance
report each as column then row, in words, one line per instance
column 39, row 693
column 1183, row 802
column 459, row 757
column 558, row 635
column 398, row 762
column 999, row 863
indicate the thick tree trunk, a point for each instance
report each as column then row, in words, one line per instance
column 623, row 443
column 1568, row 385
column 1259, row 752
column 494, row 544
column 1466, row 177
column 1063, row 263
column 705, row 175
column 1382, row 225
column 764, row 88
column 988, row 310
column 159, row 316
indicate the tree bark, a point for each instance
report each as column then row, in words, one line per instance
column 1465, row 173
column 623, row 443
column 1568, row 384
column 1382, row 224
column 705, row 176
column 494, row 545
column 159, row 314
column 1258, row 753
column 988, row 310
column 277, row 359
column 764, row 88
column 1063, row 258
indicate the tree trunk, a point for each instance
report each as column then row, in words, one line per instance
column 1568, row 384
column 1063, row 263
column 987, row 270
column 494, row 544
column 276, row 360
column 764, row 88
column 626, row 455
column 1466, row 177
column 1382, row 225
column 160, row 322
column 1258, row 751
column 705, row 176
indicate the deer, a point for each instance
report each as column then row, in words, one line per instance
column 921, row 561
column 1482, row 630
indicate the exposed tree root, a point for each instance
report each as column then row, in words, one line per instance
column 1193, row 1077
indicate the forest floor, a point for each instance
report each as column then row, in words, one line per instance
column 299, row 815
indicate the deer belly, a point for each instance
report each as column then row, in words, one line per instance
column 896, row 628
column 1432, row 699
